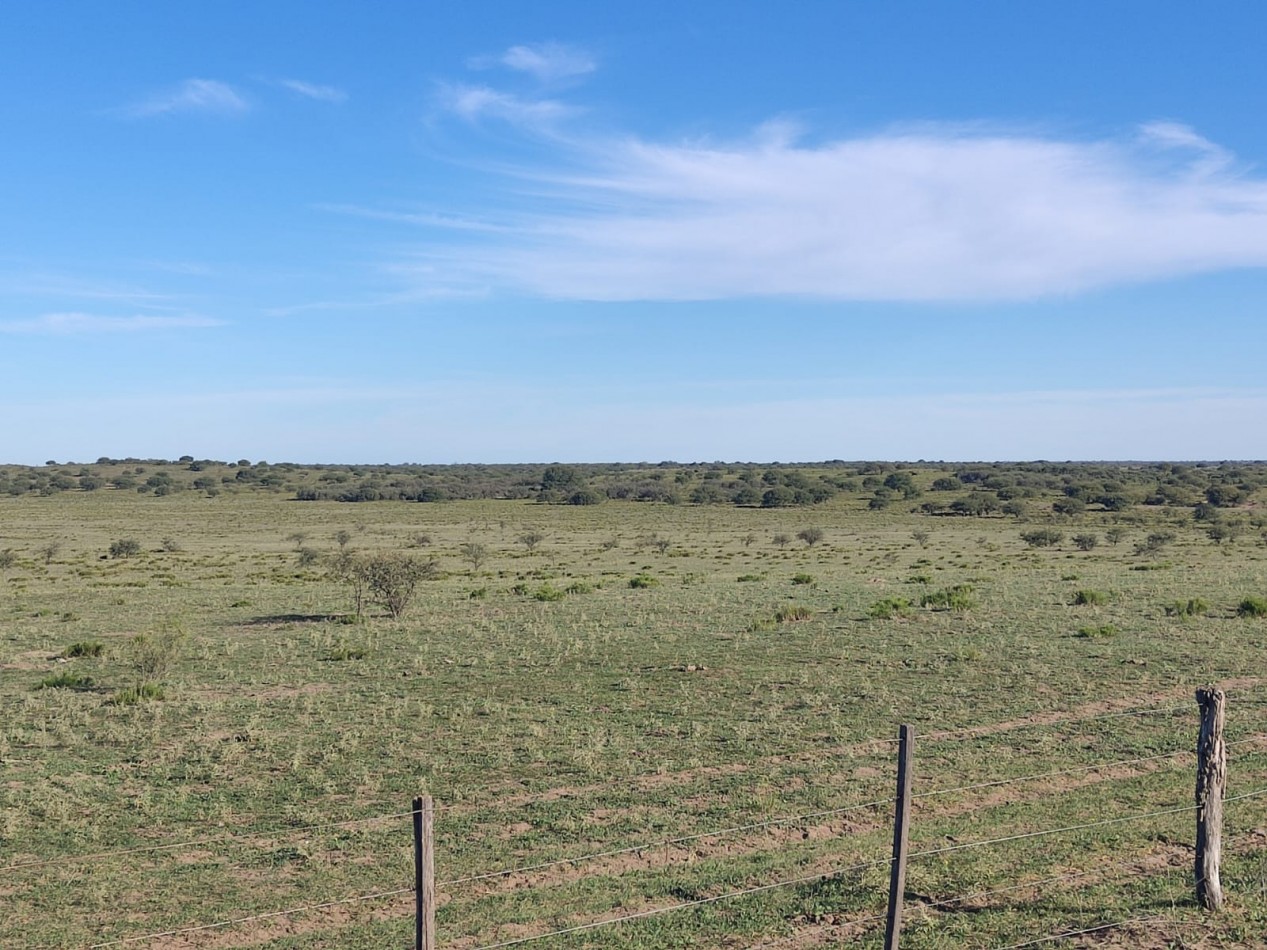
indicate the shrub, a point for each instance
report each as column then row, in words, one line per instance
column 1102, row 632
column 1154, row 542
column 65, row 681
column 345, row 652
column 1115, row 535
column 137, row 694
column 125, row 547
column 171, row 545
column 1042, row 537
column 547, row 593
column 580, row 587
column 793, row 613
column 308, row 557
column 83, row 648
column 478, row 594
column 748, row 578
column 1252, row 607
column 1085, row 542
column 811, row 536
column 956, row 598
column 921, row 538
column 530, row 540
column 642, row 581
column 153, row 655
column 781, row 540
column 390, row 579
column 889, row 608
column 803, row 579
column 474, row 552
column 1187, row 608
column 1090, row 598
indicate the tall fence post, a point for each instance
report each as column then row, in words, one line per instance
column 1211, row 782
column 901, row 821
column 424, row 874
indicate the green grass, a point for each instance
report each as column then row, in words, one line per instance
column 622, row 714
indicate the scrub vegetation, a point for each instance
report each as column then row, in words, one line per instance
column 211, row 658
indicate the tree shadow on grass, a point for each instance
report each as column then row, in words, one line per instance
column 272, row 620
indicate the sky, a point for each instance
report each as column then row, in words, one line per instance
column 577, row 231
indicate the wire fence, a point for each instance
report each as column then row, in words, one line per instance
column 1152, row 761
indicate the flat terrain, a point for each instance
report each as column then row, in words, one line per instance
column 640, row 672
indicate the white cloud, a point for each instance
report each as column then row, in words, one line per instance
column 549, row 62
column 314, row 91
column 192, row 95
column 73, row 324
column 929, row 214
column 473, row 103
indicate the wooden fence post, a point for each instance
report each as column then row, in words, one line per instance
column 1211, row 781
column 901, row 821
column 424, row 874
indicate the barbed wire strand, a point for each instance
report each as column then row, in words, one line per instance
column 1088, row 930
column 669, row 842
column 656, row 911
column 1068, row 828
column 243, row 920
column 195, row 842
column 755, row 826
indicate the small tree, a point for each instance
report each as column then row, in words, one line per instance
column 474, row 552
column 530, row 540
column 390, row 579
column 781, row 540
column 342, row 537
column 125, row 547
column 811, row 536
column 1115, row 535
column 921, row 538
column 1085, row 542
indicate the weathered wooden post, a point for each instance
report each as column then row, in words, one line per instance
column 901, row 821
column 424, row 874
column 1211, row 782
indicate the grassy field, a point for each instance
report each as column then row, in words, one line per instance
column 643, row 673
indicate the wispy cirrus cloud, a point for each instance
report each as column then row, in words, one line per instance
column 545, row 62
column 76, row 324
column 315, row 91
column 193, row 95
column 473, row 103
column 936, row 213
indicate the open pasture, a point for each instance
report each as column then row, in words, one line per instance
column 597, row 681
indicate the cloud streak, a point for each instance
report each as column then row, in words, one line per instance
column 78, row 324
column 314, row 91
column 475, row 103
column 932, row 214
column 192, row 95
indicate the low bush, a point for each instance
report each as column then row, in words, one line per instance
column 137, row 694
column 803, row 579
column 956, row 598
column 889, row 608
column 1090, row 598
column 1252, row 607
column 65, row 681
column 792, row 613
column 547, row 593
column 345, row 652
column 1187, row 608
column 1102, row 632
column 1042, row 537
column 83, row 648
column 125, row 547
column 643, row 581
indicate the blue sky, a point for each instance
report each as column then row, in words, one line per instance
column 522, row 231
